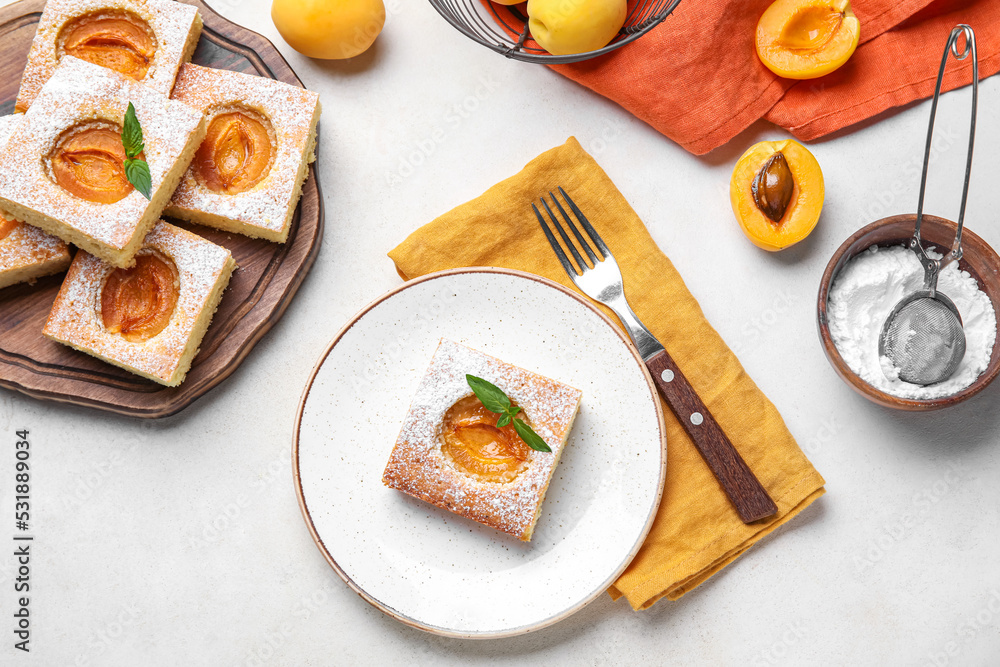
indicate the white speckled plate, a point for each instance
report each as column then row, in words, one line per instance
column 435, row 570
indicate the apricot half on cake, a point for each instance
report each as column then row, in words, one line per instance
column 89, row 162
column 149, row 319
column 805, row 39
column 116, row 39
column 473, row 443
column 458, row 453
column 237, row 151
column 137, row 303
column 777, row 193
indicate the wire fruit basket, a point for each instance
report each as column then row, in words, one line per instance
column 504, row 28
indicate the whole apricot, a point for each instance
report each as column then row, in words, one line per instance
column 329, row 29
column 805, row 39
column 562, row 27
column 777, row 193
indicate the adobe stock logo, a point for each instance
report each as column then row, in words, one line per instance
column 794, row 632
column 423, row 148
column 902, row 525
column 985, row 618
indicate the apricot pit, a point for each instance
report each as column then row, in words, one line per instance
column 777, row 193
column 805, row 39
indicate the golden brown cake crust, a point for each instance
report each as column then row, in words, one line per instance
column 265, row 210
column 173, row 24
column 203, row 270
column 78, row 92
column 26, row 252
column 418, row 467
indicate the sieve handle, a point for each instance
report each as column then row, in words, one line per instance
column 956, row 249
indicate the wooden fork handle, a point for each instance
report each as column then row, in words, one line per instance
column 741, row 486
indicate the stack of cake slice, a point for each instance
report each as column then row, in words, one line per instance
column 218, row 148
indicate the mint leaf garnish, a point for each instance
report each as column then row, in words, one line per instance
column 495, row 400
column 136, row 170
column 137, row 173
column 132, row 133
column 530, row 438
column 491, row 395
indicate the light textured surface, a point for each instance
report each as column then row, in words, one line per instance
column 180, row 541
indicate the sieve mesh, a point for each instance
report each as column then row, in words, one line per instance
column 925, row 341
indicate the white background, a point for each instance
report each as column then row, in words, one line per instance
column 179, row 542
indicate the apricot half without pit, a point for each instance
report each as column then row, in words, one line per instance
column 476, row 446
column 7, row 226
column 89, row 162
column 777, row 193
column 137, row 303
column 805, row 39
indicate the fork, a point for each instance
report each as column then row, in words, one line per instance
column 601, row 280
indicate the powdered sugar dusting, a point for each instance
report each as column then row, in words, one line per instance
column 172, row 24
column 292, row 112
column 864, row 293
column 418, row 467
column 80, row 91
column 75, row 318
column 26, row 246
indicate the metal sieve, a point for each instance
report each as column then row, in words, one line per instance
column 922, row 340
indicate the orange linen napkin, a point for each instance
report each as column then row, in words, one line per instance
column 697, row 79
column 696, row 531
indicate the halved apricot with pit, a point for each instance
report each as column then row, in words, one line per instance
column 777, row 193
column 805, row 39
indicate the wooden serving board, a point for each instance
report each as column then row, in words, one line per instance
column 268, row 276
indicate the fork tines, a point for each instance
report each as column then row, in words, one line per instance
column 595, row 239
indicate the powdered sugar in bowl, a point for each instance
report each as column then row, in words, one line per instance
column 982, row 363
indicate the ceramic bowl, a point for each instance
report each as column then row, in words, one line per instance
column 979, row 260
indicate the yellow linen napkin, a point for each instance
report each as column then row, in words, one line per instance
column 696, row 532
